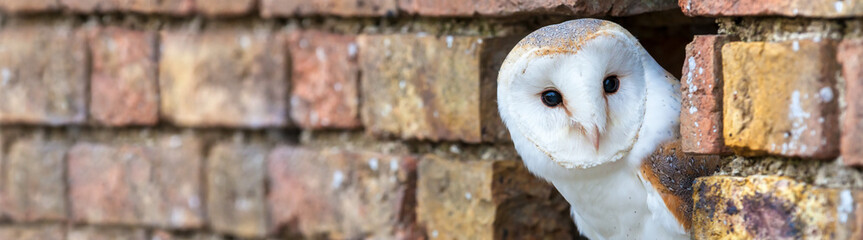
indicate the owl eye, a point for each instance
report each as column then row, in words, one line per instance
column 611, row 84
column 552, row 98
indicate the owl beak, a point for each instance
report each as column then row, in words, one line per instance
column 591, row 132
column 594, row 137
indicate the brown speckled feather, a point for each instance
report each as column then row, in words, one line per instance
column 672, row 173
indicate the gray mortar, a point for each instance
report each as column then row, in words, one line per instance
column 830, row 174
column 780, row 29
column 358, row 140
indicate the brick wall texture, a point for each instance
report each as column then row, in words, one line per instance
column 377, row 119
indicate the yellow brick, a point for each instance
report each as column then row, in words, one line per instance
column 779, row 98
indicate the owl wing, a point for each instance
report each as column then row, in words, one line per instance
column 672, row 172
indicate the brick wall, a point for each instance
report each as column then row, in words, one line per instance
column 776, row 91
column 245, row 119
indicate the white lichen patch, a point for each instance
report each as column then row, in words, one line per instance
column 846, row 205
column 449, row 40
column 321, row 54
column 797, row 115
column 454, row 149
column 826, row 94
column 373, row 164
column 338, row 179
column 352, row 50
column 178, row 216
column 394, row 165
column 245, row 42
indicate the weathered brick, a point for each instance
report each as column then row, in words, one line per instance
column 223, row 77
column 33, row 179
column 488, row 200
column 779, row 98
column 14, row 6
column 701, row 114
column 225, row 7
column 236, row 193
column 852, row 70
column 352, row 8
column 324, row 82
column 342, row 195
column 468, row 8
column 106, row 233
column 152, row 182
column 803, row 8
column 33, row 232
column 169, row 7
column 43, row 74
column 435, row 88
column 123, row 87
column 770, row 207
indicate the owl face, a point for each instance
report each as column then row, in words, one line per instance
column 574, row 92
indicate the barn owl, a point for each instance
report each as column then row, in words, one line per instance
column 589, row 110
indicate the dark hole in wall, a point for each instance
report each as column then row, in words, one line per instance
column 665, row 35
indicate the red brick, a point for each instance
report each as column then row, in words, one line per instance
column 434, row 88
column 223, row 77
column 324, row 82
column 33, row 180
column 169, row 7
column 153, row 183
column 225, row 7
column 350, row 8
column 123, row 87
column 236, row 194
column 43, row 74
column 106, row 233
column 780, row 98
column 468, row 8
column 33, row 232
column 20, row 6
column 803, row 8
column 488, row 200
column 701, row 85
column 342, row 195
column 849, row 55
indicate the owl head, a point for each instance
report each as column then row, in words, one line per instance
column 574, row 93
